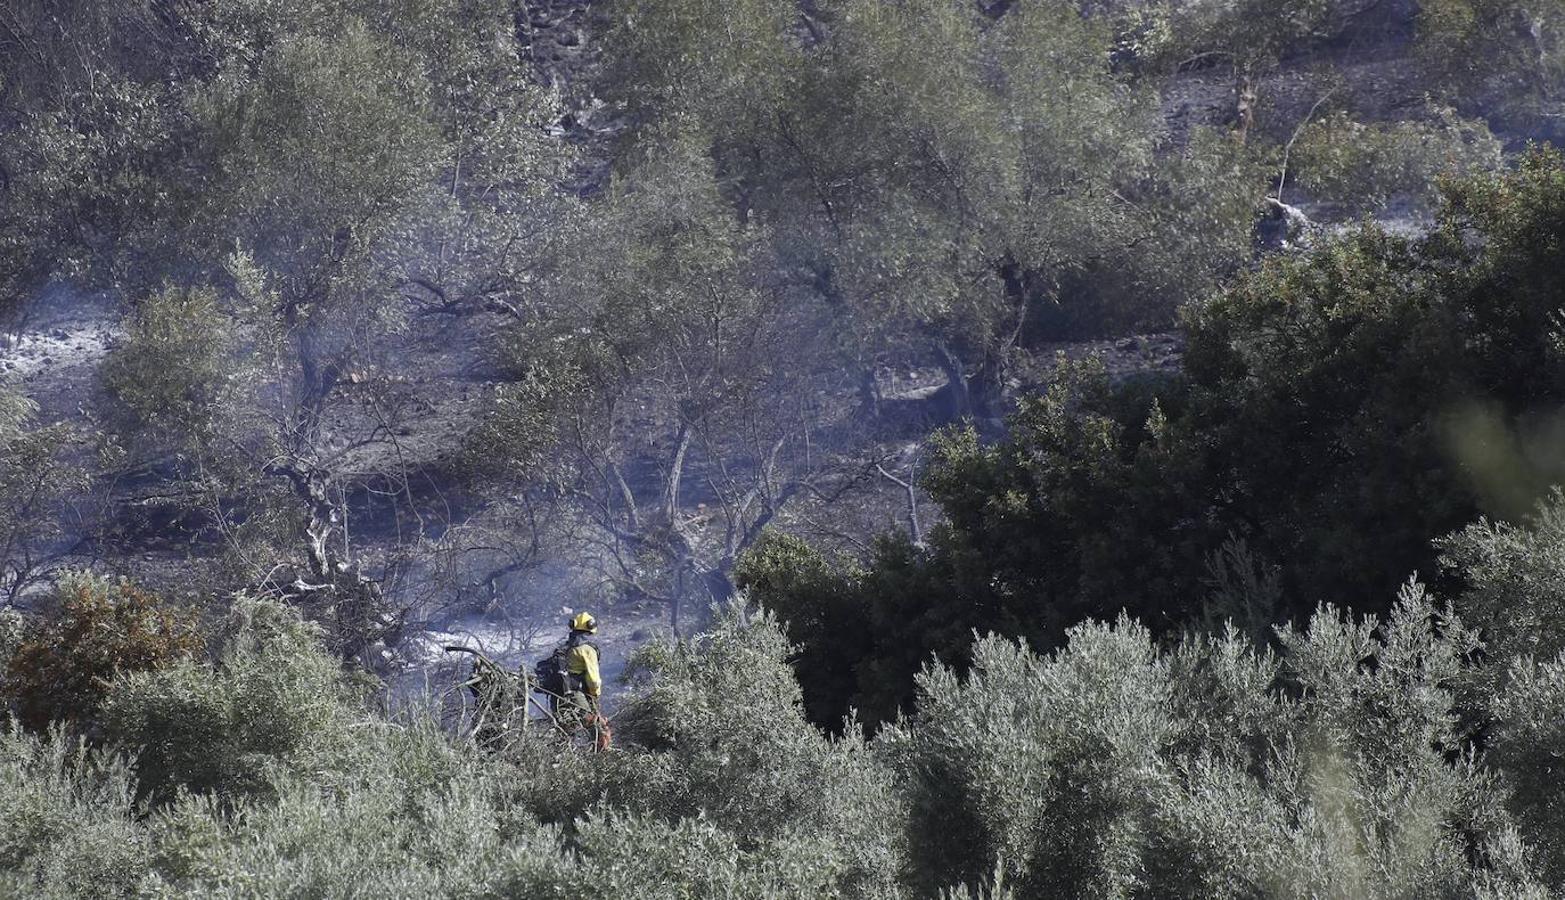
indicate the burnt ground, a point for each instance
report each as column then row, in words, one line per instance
column 422, row 397
column 429, row 390
column 434, row 672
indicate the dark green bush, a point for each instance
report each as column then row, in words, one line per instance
column 1338, row 410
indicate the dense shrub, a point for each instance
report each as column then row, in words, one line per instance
column 1076, row 514
column 1514, row 580
column 168, row 378
column 1115, row 766
column 1513, row 588
column 1531, row 715
column 97, row 630
column 729, row 744
column 1337, row 411
column 823, row 610
column 66, row 822
column 1069, row 765
column 398, row 811
column 272, row 695
column 1367, row 166
column 1112, row 768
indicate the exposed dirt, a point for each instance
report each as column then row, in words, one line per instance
column 1157, row 353
column 53, row 357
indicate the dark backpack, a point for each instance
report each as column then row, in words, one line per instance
column 551, row 674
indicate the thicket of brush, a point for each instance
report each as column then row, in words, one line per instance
column 1353, row 757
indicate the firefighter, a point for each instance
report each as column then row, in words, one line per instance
column 583, row 681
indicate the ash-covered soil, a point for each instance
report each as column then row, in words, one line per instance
column 433, row 673
column 53, row 356
column 1156, row 353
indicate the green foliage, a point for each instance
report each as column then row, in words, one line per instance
column 15, row 411
column 1202, row 201
column 1530, row 712
column 272, row 196
column 1357, row 402
column 823, row 609
column 940, row 200
column 86, row 199
column 278, row 189
column 325, row 146
column 273, row 695
column 98, row 630
column 13, row 631
column 1338, row 411
column 396, row 810
column 1327, row 414
column 38, row 475
column 67, row 825
column 171, row 376
column 1366, row 166
column 519, row 427
column 1113, row 768
column 1504, row 54
column 273, row 783
column 1249, row 34
column 1512, row 579
column 664, row 60
column 1035, row 540
column 724, row 721
column 678, row 293
column 1001, row 775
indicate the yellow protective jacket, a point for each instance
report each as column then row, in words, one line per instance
column 582, row 662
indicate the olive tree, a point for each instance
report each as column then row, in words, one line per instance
column 945, row 202
column 79, row 123
column 352, row 172
column 694, row 374
column 1499, row 58
column 40, row 473
column 1250, row 38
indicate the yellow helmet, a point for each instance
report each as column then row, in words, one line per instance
column 583, row 621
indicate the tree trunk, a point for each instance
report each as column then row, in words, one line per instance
column 977, row 395
column 675, row 601
column 1244, row 105
column 331, row 589
column 718, row 582
column 954, row 401
column 869, row 393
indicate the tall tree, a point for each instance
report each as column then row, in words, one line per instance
column 944, row 179
column 306, row 189
column 695, row 373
